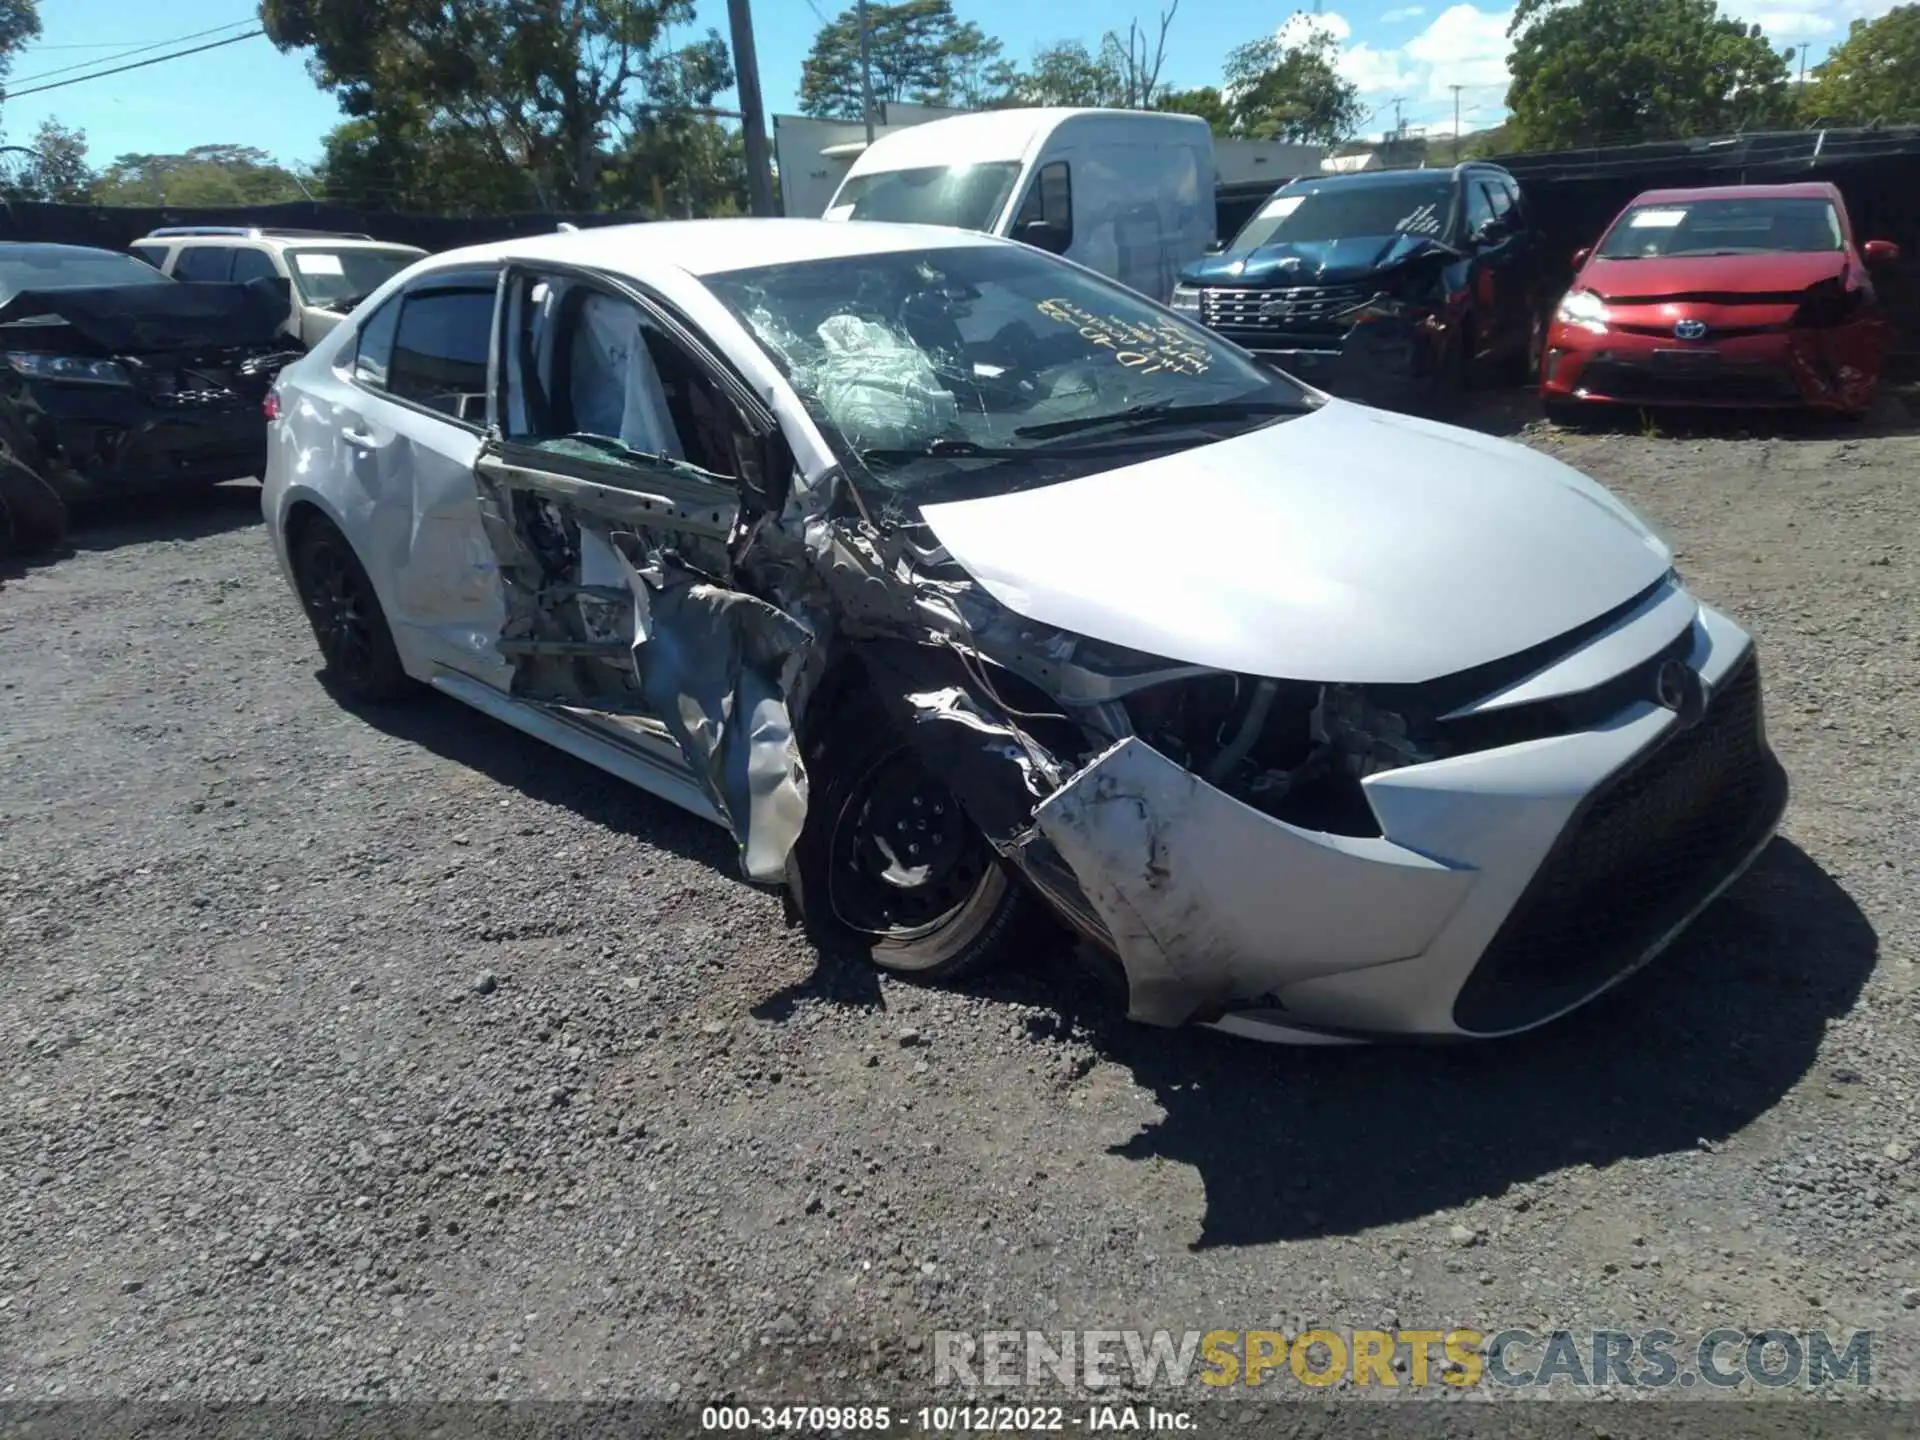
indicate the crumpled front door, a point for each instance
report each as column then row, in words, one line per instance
column 616, row 574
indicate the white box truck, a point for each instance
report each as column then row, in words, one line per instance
column 1128, row 193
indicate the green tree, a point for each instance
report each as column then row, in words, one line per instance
column 1288, row 87
column 1871, row 76
column 204, row 175
column 979, row 77
column 680, row 160
column 1204, row 101
column 1067, row 73
column 19, row 24
column 59, row 170
column 543, row 86
column 917, row 50
column 401, row 160
column 1611, row 71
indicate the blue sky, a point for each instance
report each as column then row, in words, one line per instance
column 250, row 94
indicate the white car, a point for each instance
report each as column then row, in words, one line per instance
column 963, row 585
column 326, row 274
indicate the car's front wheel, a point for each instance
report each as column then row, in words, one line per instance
column 344, row 611
column 33, row 518
column 889, row 865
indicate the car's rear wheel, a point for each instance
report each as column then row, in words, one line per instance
column 889, row 866
column 348, row 622
column 33, row 518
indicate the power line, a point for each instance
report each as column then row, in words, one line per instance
column 121, row 55
column 136, row 65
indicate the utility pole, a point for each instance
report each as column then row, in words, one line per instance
column 866, row 73
column 1456, row 89
column 753, row 123
column 1399, row 125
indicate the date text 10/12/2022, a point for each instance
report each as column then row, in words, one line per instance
column 943, row 1419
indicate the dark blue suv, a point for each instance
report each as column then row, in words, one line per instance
column 1394, row 286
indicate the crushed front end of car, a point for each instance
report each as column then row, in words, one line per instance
column 125, row 388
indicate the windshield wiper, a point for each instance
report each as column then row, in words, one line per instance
column 944, row 447
column 1142, row 416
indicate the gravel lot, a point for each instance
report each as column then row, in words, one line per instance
column 397, row 1055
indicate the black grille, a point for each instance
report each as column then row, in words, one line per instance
column 1301, row 309
column 1642, row 852
column 1726, row 384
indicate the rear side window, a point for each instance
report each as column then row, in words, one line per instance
column 440, row 351
column 203, row 262
column 253, row 265
column 1479, row 206
column 154, row 255
column 373, row 348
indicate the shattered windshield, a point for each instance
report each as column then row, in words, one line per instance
column 1800, row 224
column 64, row 267
column 964, row 197
column 331, row 276
column 981, row 369
column 1422, row 204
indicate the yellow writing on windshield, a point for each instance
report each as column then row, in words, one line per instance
column 1142, row 348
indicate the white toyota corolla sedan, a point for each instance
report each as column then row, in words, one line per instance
column 963, row 586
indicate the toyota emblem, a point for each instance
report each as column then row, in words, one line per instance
column 1690, row 330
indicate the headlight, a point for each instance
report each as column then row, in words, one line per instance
column 1583, row 307
column 1186, row 299
column 67, row 369
column 1382, row 306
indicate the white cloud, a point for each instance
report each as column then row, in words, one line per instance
column 1463, row 46
column 1376, row 72
column 1404, row 12
column 1793, row 24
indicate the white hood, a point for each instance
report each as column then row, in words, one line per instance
column 1346, row 545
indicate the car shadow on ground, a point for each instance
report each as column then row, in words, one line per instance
column 538, row 771
column 1300, row 1143
column 100, row 525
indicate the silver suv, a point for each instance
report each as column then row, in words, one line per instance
column 328, row 273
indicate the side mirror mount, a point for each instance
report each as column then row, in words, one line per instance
column 1582, row 255
column 1219, row 247
column 768, row 476
column 1044, row 236
column 1881, row 252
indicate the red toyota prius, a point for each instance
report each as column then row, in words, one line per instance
column 1737, row 295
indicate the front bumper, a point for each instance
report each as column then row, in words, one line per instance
column 1777, row 368
column 97, row 441
column 1508, row 886
column 1389, row 362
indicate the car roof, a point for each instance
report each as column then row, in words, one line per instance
column 1385, row 179
column 1798, row 190
column 49, row 250
column 997, row 135
column 288, row 242
column 711, row 247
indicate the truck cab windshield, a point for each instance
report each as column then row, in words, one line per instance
column 963, row 197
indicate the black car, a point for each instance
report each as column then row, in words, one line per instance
column 1392, row 286
column 115, row 378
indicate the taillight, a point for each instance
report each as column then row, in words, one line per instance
column 270, row 406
